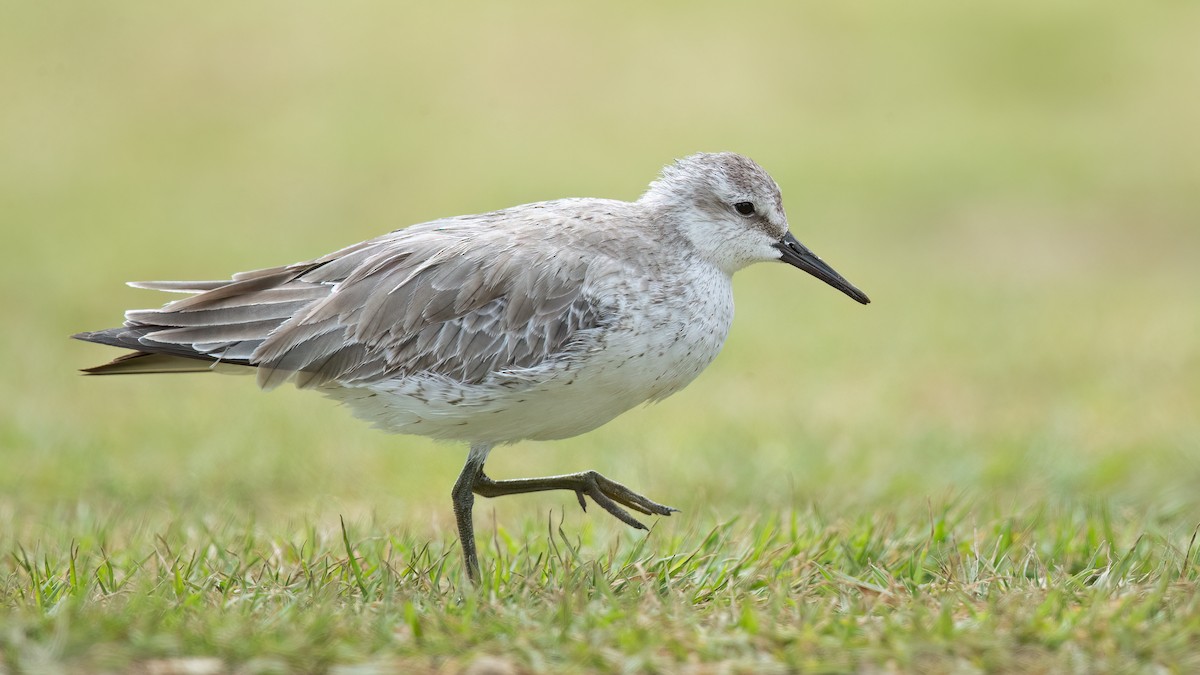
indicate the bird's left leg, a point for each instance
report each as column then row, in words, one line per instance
column 609, row 494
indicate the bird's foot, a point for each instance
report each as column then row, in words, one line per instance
column 609, row 493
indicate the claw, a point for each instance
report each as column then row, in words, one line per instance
column 619, row 513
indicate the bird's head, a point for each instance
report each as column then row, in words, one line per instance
column 731, row 211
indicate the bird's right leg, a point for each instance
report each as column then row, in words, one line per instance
column 464, row 503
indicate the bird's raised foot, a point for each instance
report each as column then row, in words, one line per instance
column 609, row 493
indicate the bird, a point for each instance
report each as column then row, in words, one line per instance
column 536, row 322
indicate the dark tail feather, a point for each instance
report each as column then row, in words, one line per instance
column 114, row 337
column 148, row 357
column 145, row 363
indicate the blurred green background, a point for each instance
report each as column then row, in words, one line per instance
column 1015, row 185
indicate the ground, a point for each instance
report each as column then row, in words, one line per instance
column 992, row 467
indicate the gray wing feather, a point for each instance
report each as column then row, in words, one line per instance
column 455, row 299
column 259, row 311
column 178, row 286
column 457, row 312
column 207, row 336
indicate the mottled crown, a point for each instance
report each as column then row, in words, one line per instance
column 725, row 175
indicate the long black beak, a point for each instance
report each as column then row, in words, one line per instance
column 797, row 255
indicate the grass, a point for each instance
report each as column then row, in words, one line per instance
column 958, row 587
column 991, row 468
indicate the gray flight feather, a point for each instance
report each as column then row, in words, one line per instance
column 456, row 298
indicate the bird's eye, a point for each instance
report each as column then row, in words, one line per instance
column 744, row 208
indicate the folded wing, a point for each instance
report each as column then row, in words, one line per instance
column 433, row 301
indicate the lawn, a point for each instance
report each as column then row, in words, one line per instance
column 992, row 467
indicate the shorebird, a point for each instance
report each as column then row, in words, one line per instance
column 540, row 322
